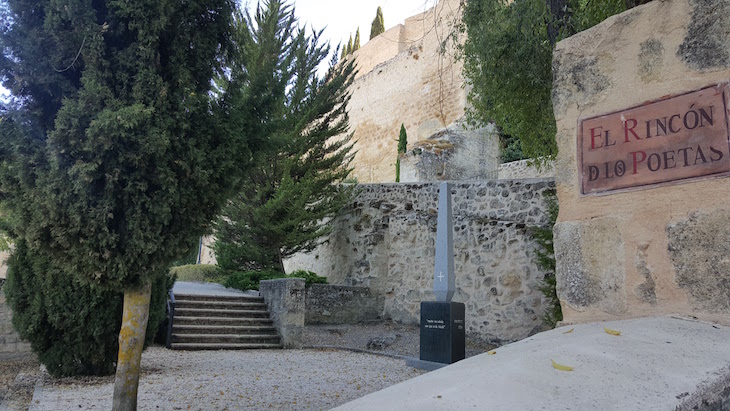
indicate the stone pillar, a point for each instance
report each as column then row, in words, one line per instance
column 654, row 239
column 285, row 299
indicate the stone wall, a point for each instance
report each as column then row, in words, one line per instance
column 386, row 241
column 404, row 79
column 285, row 301
column 337, row 304
column 653, row 250
column 11, row 346
column 456, row 153
column 522, row 169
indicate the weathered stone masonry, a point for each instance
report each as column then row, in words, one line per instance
column 386, row 240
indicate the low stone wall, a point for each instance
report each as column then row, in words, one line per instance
column 11, row 346
column 337, row 304
column 285, row 301
column 385, row 240
column 522, row 169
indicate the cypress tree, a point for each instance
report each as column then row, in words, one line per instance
column 343, row 55
column 356, row 44
column 402, row 147
column 114, row 153
column 349, row 45
column 292, row 188
column 378, row 25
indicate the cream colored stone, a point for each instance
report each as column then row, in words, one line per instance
column 623, row 244
column 404, row 78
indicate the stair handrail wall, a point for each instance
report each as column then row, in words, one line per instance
column 170, row 318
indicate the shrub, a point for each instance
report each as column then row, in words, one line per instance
column 309, row 277
column 72, row 327
column 249, row 280
column 197, row 272
column 546, row 261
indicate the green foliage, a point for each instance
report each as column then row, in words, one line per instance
column 402, row 140
column 292, row 187
column 508, row 63
column 197, row 272
column 402, row 147
column 546, row 261
column 72, row 326
column 191, row 253
column 349, row 45
column 356, row 44
column 378, row 25
column 249, row 280
column 309, row 277
column 114, row 155
column 510, row 148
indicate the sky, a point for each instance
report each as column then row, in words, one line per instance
column 340, row 18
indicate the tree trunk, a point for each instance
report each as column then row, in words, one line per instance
column 131, row 342
column 557, row 14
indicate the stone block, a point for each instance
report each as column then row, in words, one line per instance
column 285, row 299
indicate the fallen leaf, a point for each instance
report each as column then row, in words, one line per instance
column 561, row 367
column 569, row 331
column 491, row 352
column 610, row 331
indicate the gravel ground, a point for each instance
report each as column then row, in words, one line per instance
column 236, row 380
column 310, row 379
column 17, row 381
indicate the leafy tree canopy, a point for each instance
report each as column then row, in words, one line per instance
column 291, row 188
column 114, row 153
column 508, row 62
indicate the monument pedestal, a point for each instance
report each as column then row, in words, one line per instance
column 443, row 333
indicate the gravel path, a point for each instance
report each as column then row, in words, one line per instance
column 235, row 380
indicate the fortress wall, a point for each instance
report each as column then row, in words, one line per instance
column 419, row 87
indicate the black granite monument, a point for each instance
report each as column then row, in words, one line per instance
column 443, row 330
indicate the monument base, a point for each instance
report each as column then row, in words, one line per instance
column 443, row 335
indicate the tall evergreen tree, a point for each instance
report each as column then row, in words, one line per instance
column 402, row 148
column 349, row 45
column 378, row 25
column 291, row 190
column 356, row 44
column 114, row 154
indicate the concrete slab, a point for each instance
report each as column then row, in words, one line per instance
column 661, row 363
column 189, row 287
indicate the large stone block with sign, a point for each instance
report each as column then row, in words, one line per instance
column 641, row 106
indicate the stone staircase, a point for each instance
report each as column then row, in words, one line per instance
column 204, row 322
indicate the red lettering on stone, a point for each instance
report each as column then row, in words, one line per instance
column 593, row 138
column 637, row 161
column 628, row 129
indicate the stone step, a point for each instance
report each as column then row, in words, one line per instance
column 224, row 339
column 221, row 305
column 214, row 346
column 224, row 329
column 231, row 298
column 206, row 312
column 224, row 321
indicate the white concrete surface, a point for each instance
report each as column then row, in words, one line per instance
column 190, row 287
column 655, row 364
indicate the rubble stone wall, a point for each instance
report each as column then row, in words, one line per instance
column 385, row 240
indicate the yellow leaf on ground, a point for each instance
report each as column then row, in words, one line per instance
column 491, row 352
column 610, row 331
column 569, row 331
column 561, row 367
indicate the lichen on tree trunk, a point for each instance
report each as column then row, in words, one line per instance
column 131, row 342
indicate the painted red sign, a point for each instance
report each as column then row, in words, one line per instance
column 678, row 138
